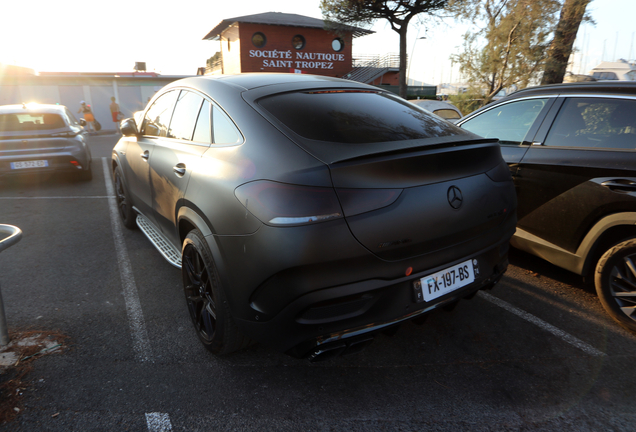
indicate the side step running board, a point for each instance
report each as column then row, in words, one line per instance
column 164, row 247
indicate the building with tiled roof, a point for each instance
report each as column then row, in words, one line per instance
column 281, row 42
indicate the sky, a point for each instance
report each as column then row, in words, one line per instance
column 110, row 36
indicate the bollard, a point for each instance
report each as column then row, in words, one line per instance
column 14, row 235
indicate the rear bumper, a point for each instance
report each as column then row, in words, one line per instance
column 57, row 162
column 346, row 316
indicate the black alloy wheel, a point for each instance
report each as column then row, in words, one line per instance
column 615, row 280
column 198, row 292
column 124, row 205
column 208, row 308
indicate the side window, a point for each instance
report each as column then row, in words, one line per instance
column 509, row 122
column 224, row 130
column 202, row 130
column 595, row 123
column 70, row 117
column 157, row 118
column 185, row 115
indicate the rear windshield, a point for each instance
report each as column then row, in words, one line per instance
column 355, row 117
column 30, row 122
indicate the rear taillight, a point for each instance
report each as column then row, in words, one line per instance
column 356, row 201
column 285, row 204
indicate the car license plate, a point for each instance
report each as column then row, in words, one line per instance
column 29, row 164
column 436, row 285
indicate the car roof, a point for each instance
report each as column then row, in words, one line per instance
column 598, row 87
column 249, row 81
column 31, row 107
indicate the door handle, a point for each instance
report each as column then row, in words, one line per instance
column 145, row 155
column 179, row 169
column 620, row 185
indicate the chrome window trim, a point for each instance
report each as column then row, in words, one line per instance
column 597, row 95
column 213, row 103
column 560, row 95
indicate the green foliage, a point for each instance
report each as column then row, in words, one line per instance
column 468, row 102
column 360, row 12
column 412, row 96
column 214, row 59
column 509, row 47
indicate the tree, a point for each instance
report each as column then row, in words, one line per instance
column 572, row 14
column 217, row 57
column 399, row 13
column 509, row 48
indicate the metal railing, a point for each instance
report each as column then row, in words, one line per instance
column 13, row 235
column 387, row 60
column 368, row 68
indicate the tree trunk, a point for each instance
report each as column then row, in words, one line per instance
column 564, row 36
column 403, row 68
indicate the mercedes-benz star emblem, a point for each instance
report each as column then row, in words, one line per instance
column 455, row 198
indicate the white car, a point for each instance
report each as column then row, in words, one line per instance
column 445, row 110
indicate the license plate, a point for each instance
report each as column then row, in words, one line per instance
column 29, row 164
column 436, row 285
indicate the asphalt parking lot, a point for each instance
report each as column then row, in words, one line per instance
column 535, row 353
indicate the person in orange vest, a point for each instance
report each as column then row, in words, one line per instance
column 114, row 111
column 88, row 115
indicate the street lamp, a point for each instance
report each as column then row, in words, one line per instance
column 408, row 70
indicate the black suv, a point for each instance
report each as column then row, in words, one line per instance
column 309, row 213
column 571, row 149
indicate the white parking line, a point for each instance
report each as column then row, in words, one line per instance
column 158, row 422
column 141, row 343
column 54, row 197
column 544, row 325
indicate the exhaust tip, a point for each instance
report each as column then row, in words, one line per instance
column 322, row 354
column 339, row 349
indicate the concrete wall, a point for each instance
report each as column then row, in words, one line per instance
column 231, row 51
column 131, row 93
column 389, row 78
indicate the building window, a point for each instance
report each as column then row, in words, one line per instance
column 259, row 40
column 298, row 42
column 337, row 44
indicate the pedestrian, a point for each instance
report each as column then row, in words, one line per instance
column 114, row 111
column 88, row 115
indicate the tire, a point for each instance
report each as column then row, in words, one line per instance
column 208, row 307
column 124, row 205
column 615, row 280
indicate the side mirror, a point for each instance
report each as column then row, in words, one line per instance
column 82, row 122
column 128, row 127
